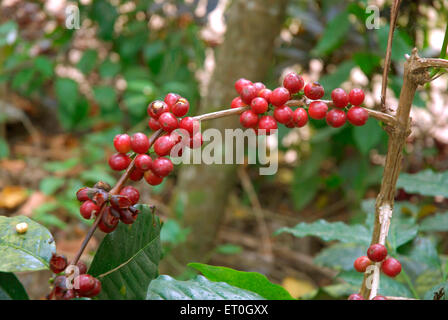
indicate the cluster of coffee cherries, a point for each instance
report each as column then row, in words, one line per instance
column 118, row 207
column 376, row 253
column 83, row 285
column 262, row 100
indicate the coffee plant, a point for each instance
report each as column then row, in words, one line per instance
column 375, row 259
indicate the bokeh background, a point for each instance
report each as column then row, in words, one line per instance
column 65, row 93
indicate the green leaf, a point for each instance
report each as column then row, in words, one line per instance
column 334, row 34
column 105, row 14
column 228, row 249
column 367, row 61
column 440, row 290
column 109, row 69
column 437, row 222
column 87, row 62
column 367, row 136
column 44, row 66
column 251, row 281
column 426, row 182
column 24, row 252
column 50, row 185
column 400, row 44
column 43, row 214
column 8, row 33
column 340, row 256
column 173, row 233
column 167, row 288
column 424, row 251
column 329, row 231
column 61, row 166
column 333, row 80
column 127, row 259
column 11, row 288
column 106, row 97
column 332, row 291
column 4, row 148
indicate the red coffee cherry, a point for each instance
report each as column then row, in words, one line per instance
column 86, row 283
column 259, row 86
column 249, row 119
column 314, row 90
column 152, row 179
column 88, row 208
column 143, row 162
column 82, row 194
column 136, row 175
column 340, row 98
column 95, row 291
column 181, row 107
column 153, row 124
column 58, row 263
column 259, row 105
column 267, row 123
column 318, row 110
column 265, row 94
column 293, row 82
column 140, row 142
column 379, row 298
column 248, row 93
column 280, row 96
column 300, row 117
column 163, row 145
column 109, row 222
column 171, row 99
column 357, row 116
column 377, row 252
column 119, row 161
column 237, row 103
column 196, row 141
column 362, row 263
column 68, row 295
column 240, row 84
column 168, row 121
column 190, row 124
column 132, row 193
column 391, row 267
column 283, row 114
column 82, row 267
column 356, row 97
column 355, row 296
column 162, row 166
column 336, row 118
column 122, row 143
column 156, row 108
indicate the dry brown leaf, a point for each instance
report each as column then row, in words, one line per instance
column 36, row 199
column 13, row 166
column 297, row 287
column 12, row 196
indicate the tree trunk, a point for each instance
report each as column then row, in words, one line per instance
column 252, row 27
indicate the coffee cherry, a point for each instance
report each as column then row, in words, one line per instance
column 60, row 285
column 237, row 103
column 314, row 90
column 336, row 118
column 318, row 110
column 283, row 114
column 82, row 194
column 391, row 267
column 68, row 295
column 340, row 98
column 280, row 96
column 153, row 124
column 162, row 166
column 156, row 108
column 181, row 107
column 293, row 82
column 196, row 141
column 85, row 282
column 300, row 117
column 102, row 185
column 136, row 174
column 248, row 93
column 95, row 291
column 355, row 296
column 140, row 142
column 259, row 86
column 122, row 143
column 126, row 216
column 377, row 252
column 267, row 123
column 190, row 124
column 171, row 99
column 362, row 263
column 357, row 116
column 259, row 105
column 143, row 162
column 58, row 263
column 240, row 84
column 132, row 193
column 119, row 161
column 379, row 298
column 265, row 94
column 168, row 122
column 163, row 145
column 356, row 97
column 88, row 208
column 152, row 179
column 82, row 267
column 249, row 119
column 109, row 222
